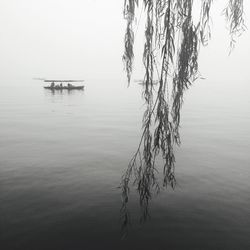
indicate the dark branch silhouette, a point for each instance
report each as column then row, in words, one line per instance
column 171, row 49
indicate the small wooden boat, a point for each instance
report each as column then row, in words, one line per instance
column 64, row 87
column 143, row 83
column 69, row 86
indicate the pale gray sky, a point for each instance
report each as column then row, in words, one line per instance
column 84, row 38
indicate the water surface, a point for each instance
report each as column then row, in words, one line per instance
column 62, row 155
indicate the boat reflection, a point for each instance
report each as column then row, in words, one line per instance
column 63, row 91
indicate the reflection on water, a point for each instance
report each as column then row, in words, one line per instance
column 63, row 91
column 62, row 156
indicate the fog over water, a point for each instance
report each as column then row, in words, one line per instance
column 84, row 38
column 62, row 154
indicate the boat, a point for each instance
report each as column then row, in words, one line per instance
column 64, row 87
column 60, row 86
column 143, row 83
column 39, row 78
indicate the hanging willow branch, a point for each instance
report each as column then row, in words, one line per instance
column 234, row 15
column 170, row 30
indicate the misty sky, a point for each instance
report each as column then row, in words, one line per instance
column 84, row 39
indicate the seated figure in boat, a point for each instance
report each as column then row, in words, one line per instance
column 52, row 85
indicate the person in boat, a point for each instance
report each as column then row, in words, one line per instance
column 52, row 85
column 61, row 85
column 69, row 85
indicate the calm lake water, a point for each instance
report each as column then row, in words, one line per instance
column 62, row 156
